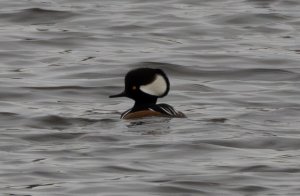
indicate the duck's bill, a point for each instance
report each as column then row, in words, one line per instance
column 123, row 94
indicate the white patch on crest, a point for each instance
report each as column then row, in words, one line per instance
column 156, row 88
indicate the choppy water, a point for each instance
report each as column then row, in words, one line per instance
column 235, row 72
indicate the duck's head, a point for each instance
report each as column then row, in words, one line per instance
column 145, row 85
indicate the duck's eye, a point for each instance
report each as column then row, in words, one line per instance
column 133, row 87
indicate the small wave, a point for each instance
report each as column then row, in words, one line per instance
column 37, row 16
column 267, row 168
column 275, row 143
column 8, row 114
column 231, row 73
column 50, row 88
column 13, row 94
column 196, row 88
column 178, row 190
column 97, row 138
column 118, row 169
column 251, row 189
column 262, row 3
column 59, row 122
column 52, row 137
column 252, row 18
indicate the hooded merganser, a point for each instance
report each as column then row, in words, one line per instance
column 144, row 86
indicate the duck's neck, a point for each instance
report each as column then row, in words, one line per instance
column 145, row 102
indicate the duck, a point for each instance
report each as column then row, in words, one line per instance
column 145, row 86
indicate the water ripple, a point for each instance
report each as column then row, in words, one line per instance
column 37, row 16
column 233, row 68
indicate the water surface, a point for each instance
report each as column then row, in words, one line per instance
column 234, row 70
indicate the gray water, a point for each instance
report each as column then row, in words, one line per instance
column 234, row 68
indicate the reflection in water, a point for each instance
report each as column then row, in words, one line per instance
column 149, row 126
